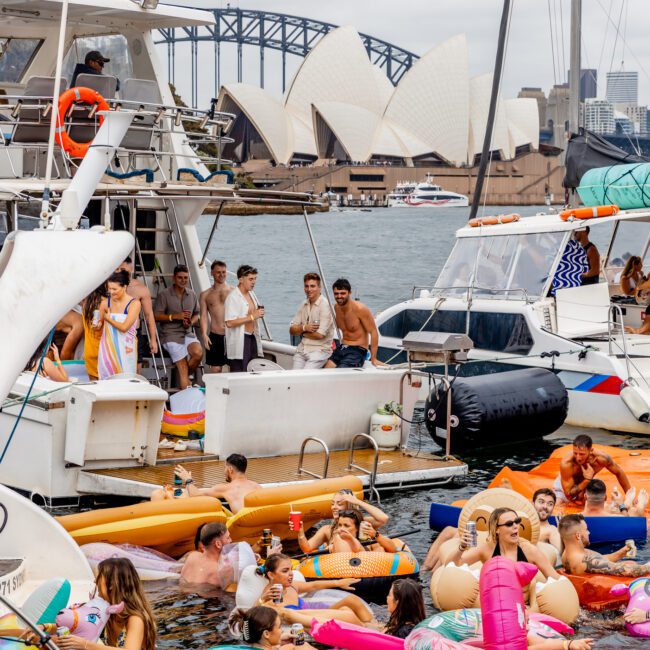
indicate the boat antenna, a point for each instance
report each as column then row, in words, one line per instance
column 489, row 127
column 45, row 204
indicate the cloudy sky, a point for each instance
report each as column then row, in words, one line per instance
column 614, row 37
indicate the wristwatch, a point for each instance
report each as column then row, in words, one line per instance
column 622, row 507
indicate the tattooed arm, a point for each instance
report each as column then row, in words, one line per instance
column 599, row 564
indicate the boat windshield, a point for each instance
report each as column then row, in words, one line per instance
column 630, row 238
column 511, row 266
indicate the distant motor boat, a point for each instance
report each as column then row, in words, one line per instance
column 396, row 198
column 429, row 195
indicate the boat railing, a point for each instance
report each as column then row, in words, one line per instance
column 435, row 290
column 616, row 327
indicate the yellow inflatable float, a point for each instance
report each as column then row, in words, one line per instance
column 270, row 507
column 169, row 526
column 457, row 587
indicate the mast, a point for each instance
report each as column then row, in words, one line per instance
column 574, row 71
column 489, row 127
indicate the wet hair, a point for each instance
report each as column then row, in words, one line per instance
column 212, row 531
column 250, row 625
column 239, row 462
column 197, row 537
column 629, row 265
column 546, row 492
column 568, row 524
column 312, row 276
column 92, row 302
column 272, row 563
column 596, row 490
column 122, row 584
column 246, row 269
column 493, row 521
column 583, row 441
column 120, row 277
column 355, row 515
column 181, row 268
column 217, row 263
column 410, row 605
column 342, row 283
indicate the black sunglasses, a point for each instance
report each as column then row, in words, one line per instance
column 511, row 523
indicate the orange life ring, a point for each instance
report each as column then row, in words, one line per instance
column 493, row 221
column 590, row 213
column 69, row 97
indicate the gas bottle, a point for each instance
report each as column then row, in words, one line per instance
column 385, row 426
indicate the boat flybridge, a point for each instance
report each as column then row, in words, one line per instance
column 140, row 189
column 512, row 289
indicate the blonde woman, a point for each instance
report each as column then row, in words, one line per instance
column 632, row 275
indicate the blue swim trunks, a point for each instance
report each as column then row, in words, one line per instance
column 349, row 356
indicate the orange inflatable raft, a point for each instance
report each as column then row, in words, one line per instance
column 594, row 590
column 635, row 462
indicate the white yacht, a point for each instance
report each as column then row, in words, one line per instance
column 396, row 198
column 141, row 187
column 511, row 289
column 429, row 195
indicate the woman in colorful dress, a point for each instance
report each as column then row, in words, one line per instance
column 118, row 352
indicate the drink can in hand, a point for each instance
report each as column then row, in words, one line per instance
column 277, row 593
column 631, row 548
column 298, row 634
column 95, row 321
column 471, row 529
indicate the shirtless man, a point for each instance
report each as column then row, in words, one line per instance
column 212, row 303
column 577, row 469
column 596, row 501
column 69, row 330
column 578, row 560
column 342, row 500
column 236, row 487
column 139, row 290
column 201, row 567
column 357, row 325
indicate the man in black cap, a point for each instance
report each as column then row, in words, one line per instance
column 93, row 64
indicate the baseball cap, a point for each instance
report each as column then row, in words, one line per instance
column 94, row 55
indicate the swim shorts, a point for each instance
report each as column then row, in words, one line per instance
column 216, row 355
column 349, row 356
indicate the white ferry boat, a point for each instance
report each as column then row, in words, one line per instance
column 425, row 195
column 396, row 198
column 142, row 187
column 510, row 288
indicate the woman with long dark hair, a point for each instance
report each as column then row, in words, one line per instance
column 405, row 605
column 52, row 367
column 92, row 329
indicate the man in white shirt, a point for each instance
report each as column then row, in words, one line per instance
column 242, row 314
column 313, row 323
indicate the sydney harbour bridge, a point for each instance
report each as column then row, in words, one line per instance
column 289, row 35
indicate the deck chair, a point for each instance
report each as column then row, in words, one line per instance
column 32, row 128
column 82, row 128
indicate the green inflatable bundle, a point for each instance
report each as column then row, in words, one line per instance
column 627, row 186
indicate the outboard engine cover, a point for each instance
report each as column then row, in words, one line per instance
column 497, row 408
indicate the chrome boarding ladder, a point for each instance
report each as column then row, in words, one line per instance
column 614, row 322
column 301, row 469
column 372, row 474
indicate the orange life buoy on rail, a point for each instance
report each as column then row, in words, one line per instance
column 493, row 221
column 590, row 213
column 69, row 97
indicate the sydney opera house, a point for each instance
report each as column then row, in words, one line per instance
column 340, row 107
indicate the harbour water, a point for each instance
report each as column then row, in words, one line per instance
column 384, row 253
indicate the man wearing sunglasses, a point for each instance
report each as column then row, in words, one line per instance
column 93, row 64
column 503, row 539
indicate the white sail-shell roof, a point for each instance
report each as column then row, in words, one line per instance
column 266, row 114
column 432, row 101
column 480, row 90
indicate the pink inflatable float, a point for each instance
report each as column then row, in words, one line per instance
column 639, row 591
column 353, row 637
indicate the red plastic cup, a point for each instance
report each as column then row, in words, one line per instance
column 295, row 517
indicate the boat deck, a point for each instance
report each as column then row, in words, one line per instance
column 395, row 469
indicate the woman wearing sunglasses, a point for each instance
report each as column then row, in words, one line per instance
column 503, row 539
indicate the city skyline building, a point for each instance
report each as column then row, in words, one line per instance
column 588, row 84
column 623, row 87
column 599, row 116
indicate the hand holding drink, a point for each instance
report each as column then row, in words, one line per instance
column 295, row 520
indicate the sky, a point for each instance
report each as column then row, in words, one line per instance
column 614, row 37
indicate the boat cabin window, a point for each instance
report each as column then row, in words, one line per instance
column 497, row 332
column 630, row 238
column 113, row 47
column 504, row 267
column 15, row 56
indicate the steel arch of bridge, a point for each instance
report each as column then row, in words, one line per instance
column 285, row 33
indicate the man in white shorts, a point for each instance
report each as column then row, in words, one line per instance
column 314, row 324
column 177, row 311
